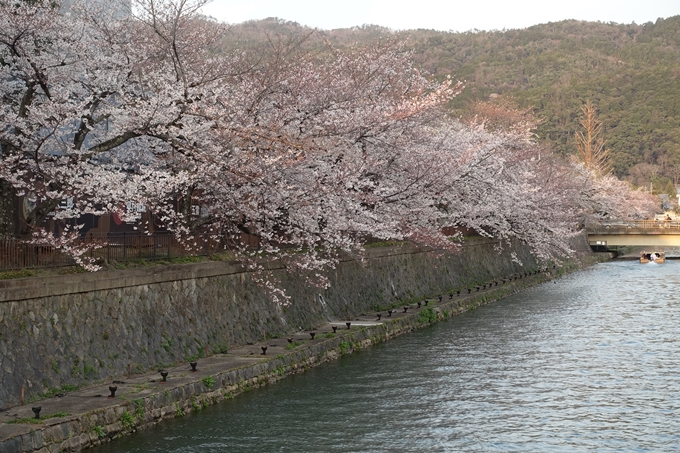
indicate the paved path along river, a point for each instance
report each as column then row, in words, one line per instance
column 589, row 362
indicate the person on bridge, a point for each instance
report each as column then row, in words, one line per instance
column 665, row 222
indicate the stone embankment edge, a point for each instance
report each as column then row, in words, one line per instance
column 90, row 429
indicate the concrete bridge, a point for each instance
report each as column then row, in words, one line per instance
column 640, row 233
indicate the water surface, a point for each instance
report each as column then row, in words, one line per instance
column 585, row 363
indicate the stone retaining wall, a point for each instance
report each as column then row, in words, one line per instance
column 78, row 329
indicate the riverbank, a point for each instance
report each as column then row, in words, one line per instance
column 62, row 333
column 88, row 417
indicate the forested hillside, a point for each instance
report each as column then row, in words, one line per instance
column 630, row 72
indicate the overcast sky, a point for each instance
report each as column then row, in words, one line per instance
column 441, row 15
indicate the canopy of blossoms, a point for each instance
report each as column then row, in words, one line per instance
column 313, row 152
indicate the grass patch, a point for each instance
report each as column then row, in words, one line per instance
column 223, row 256
column 19, row 273
column 70, row 270
column 39, row 421
column 293, row 345
column 54, row 391
column 372, row 245
column 140, row 263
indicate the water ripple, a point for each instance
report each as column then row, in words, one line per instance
column 586, row 364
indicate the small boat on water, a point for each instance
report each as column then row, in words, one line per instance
column 648, row 257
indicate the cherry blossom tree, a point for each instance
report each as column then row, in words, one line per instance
column 312, row 152
column 372, row 152
column 98, row 108
column 607, row 197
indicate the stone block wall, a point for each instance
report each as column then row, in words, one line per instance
column 77, row 329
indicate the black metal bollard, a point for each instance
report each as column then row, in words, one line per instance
column 311, row 334
column 348, row 324
column 440, row 298
column 112, row 389
column 379, row 315
column 264, row 350
column 193, row 366
column 36, row 411
column 419, row 304
column 405, row 309
column 164, row 375
column 389, row 313
column 335, row 329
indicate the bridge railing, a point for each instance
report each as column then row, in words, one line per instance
column 638, row 224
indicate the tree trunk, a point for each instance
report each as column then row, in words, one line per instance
column 9, row 215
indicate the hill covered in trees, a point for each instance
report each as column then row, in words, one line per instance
column 630, row 72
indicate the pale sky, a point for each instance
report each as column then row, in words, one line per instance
column 448, row 15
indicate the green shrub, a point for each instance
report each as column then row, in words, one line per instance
column 427, row 315
column 99, row 430
column 208, row 381
column 128, row 420
column 139, row 409
column 345, row 347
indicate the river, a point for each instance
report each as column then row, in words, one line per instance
column 589, row 362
